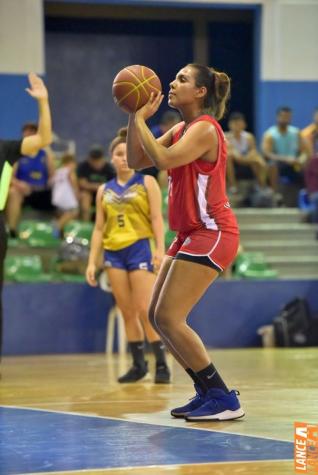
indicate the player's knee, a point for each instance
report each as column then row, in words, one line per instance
column 142, row 309
column 162, row 320
column 128, row 314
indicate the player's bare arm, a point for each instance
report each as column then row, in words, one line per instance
column 96, row 241
column 196, row 143
column 32, row 144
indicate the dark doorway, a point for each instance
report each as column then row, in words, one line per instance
column 231, row 49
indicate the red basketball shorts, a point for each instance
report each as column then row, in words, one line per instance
column 216, row 249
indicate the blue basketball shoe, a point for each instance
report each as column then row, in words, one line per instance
column 218, row 406
column 192, row 405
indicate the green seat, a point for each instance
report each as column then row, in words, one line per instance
column 79, row 229
column 13, row 242
column 169, row 237
column 25, row 269
column 38, row 234
column 66, row 277
column 253, row 265
column 261, row 274
column 59, row 275
column 164, row 202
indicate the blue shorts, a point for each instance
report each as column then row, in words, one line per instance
column 136, row 256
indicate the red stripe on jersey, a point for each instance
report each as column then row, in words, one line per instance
column 197, row 191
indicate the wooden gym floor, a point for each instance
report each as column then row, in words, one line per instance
column 66, row 414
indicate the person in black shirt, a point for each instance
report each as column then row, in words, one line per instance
column 11, row 151
column 92, row 173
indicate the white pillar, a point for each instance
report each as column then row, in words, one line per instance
column 21, row 36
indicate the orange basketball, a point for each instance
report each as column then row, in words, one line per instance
column 133, row 85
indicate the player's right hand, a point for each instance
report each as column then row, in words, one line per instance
column 37, row 87
column 90, row 275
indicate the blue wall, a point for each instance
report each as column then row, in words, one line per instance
column 17, row 107
column 301, row 96
column 71, row 318
column 83, row 57
column 54, row 318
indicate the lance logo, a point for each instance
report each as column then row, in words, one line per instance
column 306, row 448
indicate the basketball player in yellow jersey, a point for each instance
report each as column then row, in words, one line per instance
column 129, row 227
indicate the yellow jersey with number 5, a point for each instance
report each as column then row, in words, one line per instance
column 127, row 213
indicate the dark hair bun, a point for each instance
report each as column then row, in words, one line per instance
column 122, row 133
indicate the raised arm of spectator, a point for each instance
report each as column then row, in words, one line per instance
column 32, row 144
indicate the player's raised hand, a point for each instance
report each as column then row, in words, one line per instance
column 37, row 87
column 151, row 107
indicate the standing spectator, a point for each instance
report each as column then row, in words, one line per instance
column 242, row 153
column 285, row 150
column 65, row 192
column 167, row 121
column 30, row 182
column 310, row 134
column 10, row 153
column 91, row 174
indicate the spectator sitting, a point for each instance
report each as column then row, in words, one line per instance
column 65, row 192
column 244, row 161
column 310, row 134
column 91, row 174
column 286, row 152
column 30, row 183
column 167, row 121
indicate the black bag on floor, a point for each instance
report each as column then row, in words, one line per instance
column 292, row 325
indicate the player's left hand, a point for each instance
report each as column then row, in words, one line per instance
column 151, row 107
column 37, row 87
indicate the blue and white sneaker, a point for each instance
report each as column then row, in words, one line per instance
column 218, row 406
column 194, row 403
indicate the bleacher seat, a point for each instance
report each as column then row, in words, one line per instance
column 169, row 237
column 79, row 230
column 25, row 269
column 38, row 234
column 253, row 265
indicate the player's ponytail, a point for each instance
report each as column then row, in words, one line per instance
column 222, row 89
column 218, row 86
column 121, row 137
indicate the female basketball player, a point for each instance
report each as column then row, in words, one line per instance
column 194, row 153
column 128, row 217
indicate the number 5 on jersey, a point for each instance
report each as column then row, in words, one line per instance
column 121, row 220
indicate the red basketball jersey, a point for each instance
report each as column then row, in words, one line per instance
column 197, row 191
